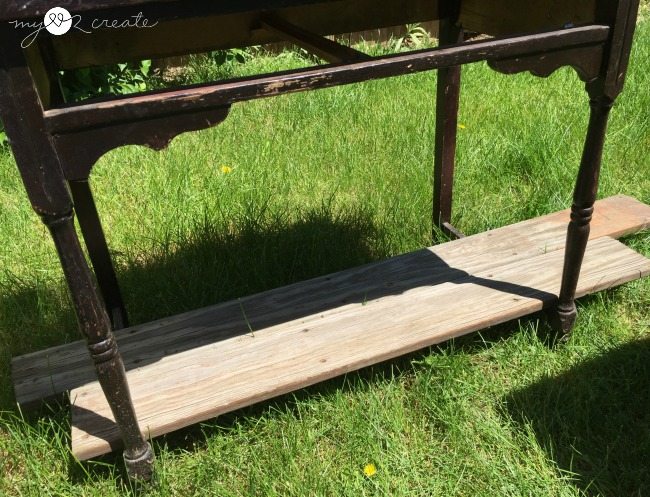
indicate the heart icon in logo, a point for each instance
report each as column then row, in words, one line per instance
column 57, row 21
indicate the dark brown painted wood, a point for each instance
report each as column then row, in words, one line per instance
column 22, row 115
column 156, row 104
column 587, row 62
column 44, row 76
column 582, row 210
column 93, row 234
column 499, row 17
column 101, row 343
column 602, row 92
column 15, row 9
column 195, row 28
column 447, row 101
column 79, row 151
column 324, row 48
column 618, row 53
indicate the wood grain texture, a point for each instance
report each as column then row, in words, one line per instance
column 56, row 370
column 197, row 384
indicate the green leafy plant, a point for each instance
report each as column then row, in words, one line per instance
column 226, row 61
column 215, row 65
column 231, row 56
column 116, row 79
column 416, row 36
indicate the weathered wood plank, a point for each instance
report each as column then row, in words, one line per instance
column 160, row 103
column 56, row 370
column 181, row 389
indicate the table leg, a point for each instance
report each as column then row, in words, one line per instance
column 95, row 325
column 91, row 229
column 447, row 101
column 582, row 209
column 22, row 115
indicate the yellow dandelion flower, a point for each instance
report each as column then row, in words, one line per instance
column 369, row 470
column 226, row 169
column 461, row 126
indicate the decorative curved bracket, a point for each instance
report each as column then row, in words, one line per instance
column 587, row 62
column 79, row 151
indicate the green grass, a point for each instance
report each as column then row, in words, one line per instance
column 327, row 180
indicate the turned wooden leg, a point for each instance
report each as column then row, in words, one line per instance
column 582, row 209
column 22, row 115
column 447, row 100
column 95, row 325
column 93, row 234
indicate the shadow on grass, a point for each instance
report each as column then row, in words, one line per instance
column 193, row 268
column 34, row 315
column 212, row 263
column 594, row 420
column 216, row 263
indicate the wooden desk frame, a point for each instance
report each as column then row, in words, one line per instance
column 55, row 145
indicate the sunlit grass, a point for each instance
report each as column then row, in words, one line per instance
column 292, row 187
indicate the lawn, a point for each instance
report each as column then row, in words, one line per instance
column 297, row 186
